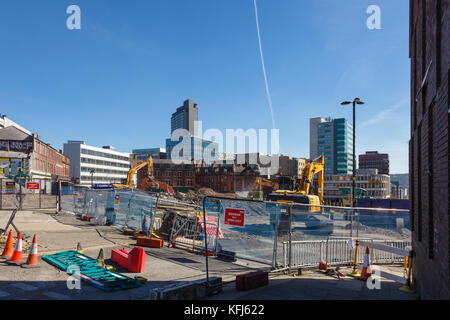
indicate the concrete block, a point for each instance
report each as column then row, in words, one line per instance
column 191, row 290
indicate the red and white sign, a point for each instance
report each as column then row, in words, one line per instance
column 235, row 217
column 32, row 185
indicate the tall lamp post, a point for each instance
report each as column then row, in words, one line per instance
column 355, row 102
column 92, row 171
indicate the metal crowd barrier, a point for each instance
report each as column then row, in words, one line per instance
column 337, row 252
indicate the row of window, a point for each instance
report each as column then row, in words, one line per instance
column 97, row 170
column 168, row 173
column 100, row 179
column 178, row 183
column 104, row 163
column 104, row 155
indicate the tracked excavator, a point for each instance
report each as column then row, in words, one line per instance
column 257, row 192
column 147, row 182
column 302, row 194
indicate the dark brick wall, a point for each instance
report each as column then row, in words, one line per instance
column 429, row 174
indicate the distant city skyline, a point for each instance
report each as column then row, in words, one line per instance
column 118, row 79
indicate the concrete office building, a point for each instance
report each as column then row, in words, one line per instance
column 429, row 45
column 376, row 185
column 374, row 160
column 108, row 165
column 332, row 138
column 143, row 154
column 185, row 117
column 192, row 148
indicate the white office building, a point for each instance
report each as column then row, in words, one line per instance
column 92, row 165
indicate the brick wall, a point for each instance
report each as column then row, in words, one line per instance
column 48, row 160
column 429, row 174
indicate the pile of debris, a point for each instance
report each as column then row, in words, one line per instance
column 199, row 194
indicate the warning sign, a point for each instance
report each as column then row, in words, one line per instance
column 10, row 187
column 32, row 185
column 235, row 217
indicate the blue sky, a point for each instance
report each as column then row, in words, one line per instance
column 118, row 79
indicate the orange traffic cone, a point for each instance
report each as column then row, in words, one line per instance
column 8, row 251
column 32, row 261
column 366, row 273
column 323, row 265
column 17, row 255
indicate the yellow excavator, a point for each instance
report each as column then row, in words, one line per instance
column 301, row 195
column 257, row 192
column 132, row 171
column 148, row 182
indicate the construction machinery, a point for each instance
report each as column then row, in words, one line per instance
column 148, row 182
column 257, row 191
column 302, row 194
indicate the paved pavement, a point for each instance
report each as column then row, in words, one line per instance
column 164, row 266
column 315, row 285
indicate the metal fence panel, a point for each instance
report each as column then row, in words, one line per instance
column 126, row 208
column 242, row 229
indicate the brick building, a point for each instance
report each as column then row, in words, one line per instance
column 428, row 149
column 48, row 164
column 176, row 175
column 24, row 153
column 374, row 160
column 226, row 178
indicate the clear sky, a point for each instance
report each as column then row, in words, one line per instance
column 118, row 79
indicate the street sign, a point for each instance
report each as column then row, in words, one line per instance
column 102, row 186
column 32, row 185
column 235, row 217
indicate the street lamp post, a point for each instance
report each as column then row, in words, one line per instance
column 92, row 171
column 355, row 102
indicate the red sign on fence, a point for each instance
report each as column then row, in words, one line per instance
column 235, row 217
column 32, row 185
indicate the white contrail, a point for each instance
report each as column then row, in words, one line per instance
column 269, row 99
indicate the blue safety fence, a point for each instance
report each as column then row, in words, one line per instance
column 133, row 209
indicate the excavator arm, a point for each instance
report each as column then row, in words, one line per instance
column 314, row 167
column 302, row 194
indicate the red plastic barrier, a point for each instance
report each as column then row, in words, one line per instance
column 133, row 261
column 136, row 260
column 120, row 257
column 150, row 242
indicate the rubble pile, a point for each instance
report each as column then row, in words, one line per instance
column 198, row 195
